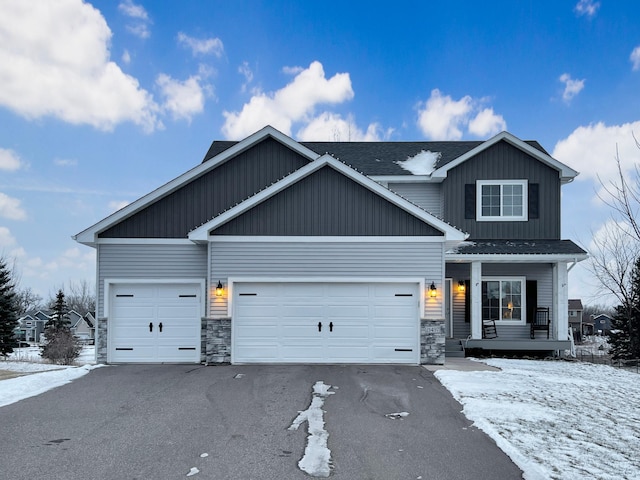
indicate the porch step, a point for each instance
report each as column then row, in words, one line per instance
column 453, row 348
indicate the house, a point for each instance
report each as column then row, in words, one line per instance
column 31, row 325
column 278, row 251
column 601, row 324
column 575, row 318
column 81, row 326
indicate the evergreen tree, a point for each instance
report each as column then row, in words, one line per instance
column 8, row 311
column 60, row 317
column 61, row 346
column 625, row 324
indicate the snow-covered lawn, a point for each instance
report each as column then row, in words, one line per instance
column 555, row 419
column 39, row 375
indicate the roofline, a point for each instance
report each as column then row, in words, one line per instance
column 567, row 174
column 89, row 236
column 201, row 233
column 511, row 257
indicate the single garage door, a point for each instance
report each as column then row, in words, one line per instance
column 326, row 323
column 155, row 323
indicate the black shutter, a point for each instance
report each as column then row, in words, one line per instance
column 532, row 299
column 470, row 201
column 534, row 200
column 467, row 301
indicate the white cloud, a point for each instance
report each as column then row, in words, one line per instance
column 331, row 127
column 54, row 61
column 126, row 57
column 247, row 73
column 487, row 123
column 116, row 205
column 6, row 239
column 10, row 208
column 139, row 16
column 296, row 102
column 65, row 162
column 635, row 58
column 442, row 118
column 9, row 160
column 592, row 150
column 587, row 8
column 204, row 46
column 572, row 87
column 182, row 99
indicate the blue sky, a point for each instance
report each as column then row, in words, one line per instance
column 103, row 101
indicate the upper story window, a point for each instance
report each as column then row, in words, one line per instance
column 501, row 200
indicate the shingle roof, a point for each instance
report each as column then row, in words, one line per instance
column 575, row 304
column 378, row 158
column 520, row 247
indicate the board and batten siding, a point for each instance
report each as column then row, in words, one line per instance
column 263, row 261
column 503, row 161
column 152, row 262
column 213, row 192
column 426, row 195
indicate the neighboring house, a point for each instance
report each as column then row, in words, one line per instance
column 277, row 251
column 575, row 318
column 601, row 324
column 82, row 326
column 32, row 325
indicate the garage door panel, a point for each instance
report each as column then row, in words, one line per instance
column 134, row 307
column 369, row 323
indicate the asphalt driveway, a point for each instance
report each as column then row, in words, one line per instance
column 231, row 422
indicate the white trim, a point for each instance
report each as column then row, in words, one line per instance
column 449, row 300
column 201, row 234
column 523, row 297
column 143, row 241
column 402, row 178
column 154, row 281
column 319, row 239
column 89, row 236
column 514, row 258
column 502, row 218
column 567, row 174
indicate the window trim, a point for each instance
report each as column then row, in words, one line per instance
column 523, row 298
column 502, row 218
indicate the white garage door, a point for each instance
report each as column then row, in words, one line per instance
column 155, row 323
column 325, row 323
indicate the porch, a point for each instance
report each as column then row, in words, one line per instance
column 537, row 345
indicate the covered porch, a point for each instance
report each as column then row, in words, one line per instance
column 510, row 296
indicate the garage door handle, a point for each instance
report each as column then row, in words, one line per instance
column 319, row 326
column 331, row 326
column 150, row 326
column 160, row 327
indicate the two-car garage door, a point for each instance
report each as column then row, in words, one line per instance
column 155, row 323
column 326, row 323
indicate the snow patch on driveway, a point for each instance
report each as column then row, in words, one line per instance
column 317, row 456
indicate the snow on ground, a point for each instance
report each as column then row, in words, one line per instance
column 316, row 460
column 40, row 377
column 555, row 419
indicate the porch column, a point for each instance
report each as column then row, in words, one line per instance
column 560, row 325
column 476, row 300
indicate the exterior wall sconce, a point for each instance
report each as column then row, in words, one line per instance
column 461, row 286
column 219, row 289
column 433, row 291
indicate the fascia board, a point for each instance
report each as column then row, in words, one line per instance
column 566, row 173
column 404, row 179
column 514, row 258
column 201, row 233
column 89, row 235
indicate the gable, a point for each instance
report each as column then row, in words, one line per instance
column 326, row 203
column 211, row 193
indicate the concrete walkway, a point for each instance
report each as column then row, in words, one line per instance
column 463, row 364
